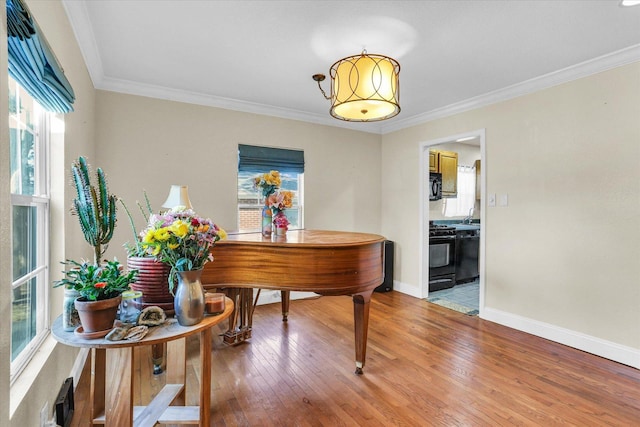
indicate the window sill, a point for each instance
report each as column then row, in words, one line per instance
column 23, row 385
column 26, row 378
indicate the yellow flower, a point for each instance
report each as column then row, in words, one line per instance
column 173, row 245
column 287, row 201
column 161, row 235
column 179, row 228
column 222, row 234
column 148, row 238
column 203, row 228
column 273, row 178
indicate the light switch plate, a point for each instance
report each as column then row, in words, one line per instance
column 491, row 199
column 503, row 200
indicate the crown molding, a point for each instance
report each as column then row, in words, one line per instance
column 574, row 72
column 80, row 24
column 179, row 95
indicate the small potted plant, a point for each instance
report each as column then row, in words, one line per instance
column 100, row 287
column 281, row 223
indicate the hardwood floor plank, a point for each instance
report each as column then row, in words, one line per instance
column 426, row 366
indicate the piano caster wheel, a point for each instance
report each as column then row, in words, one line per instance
column 285, row 317
column 359, row 371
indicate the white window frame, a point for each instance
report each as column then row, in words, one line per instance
column 40, row 199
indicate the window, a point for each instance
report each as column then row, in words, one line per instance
column 30, row 220
column 250, row 200
column 256, row 160
column 464, row 202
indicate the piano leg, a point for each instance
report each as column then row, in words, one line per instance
column 285, row 295
column 361, row 324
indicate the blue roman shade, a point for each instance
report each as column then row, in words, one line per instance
column 32, row 63
column 263, row 159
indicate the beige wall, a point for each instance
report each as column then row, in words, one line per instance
column 149, row 144
column 565, row 251
column 42, row 379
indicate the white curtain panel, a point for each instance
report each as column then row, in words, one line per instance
column 466, row 199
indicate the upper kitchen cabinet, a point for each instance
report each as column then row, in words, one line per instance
column 446, row 163
column 433, row 161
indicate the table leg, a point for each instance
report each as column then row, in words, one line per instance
column 97, row 389
column 176, row 369
column 361, row 324
column 285, row 298
column 157, row 357
column 119, row 396
column 206, row 338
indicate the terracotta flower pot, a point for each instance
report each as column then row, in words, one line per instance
column 153, row 282
column 97, row 316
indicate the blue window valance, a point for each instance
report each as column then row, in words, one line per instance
column 263, row 159
column 32, row 63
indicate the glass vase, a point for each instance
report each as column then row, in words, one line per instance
column 70, row 317
column 189, row 298
column 267, row 221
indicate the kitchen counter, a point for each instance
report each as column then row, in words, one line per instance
column 466, row 226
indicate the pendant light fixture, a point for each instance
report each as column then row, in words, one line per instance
column 364, row 88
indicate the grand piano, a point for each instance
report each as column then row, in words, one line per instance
column 324, row 262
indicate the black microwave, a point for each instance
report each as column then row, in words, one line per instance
column 435, row 186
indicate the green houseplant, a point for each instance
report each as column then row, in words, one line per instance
column 99, row 286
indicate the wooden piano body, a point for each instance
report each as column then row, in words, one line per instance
column 324, row 262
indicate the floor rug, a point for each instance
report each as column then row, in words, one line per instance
column 453, row 306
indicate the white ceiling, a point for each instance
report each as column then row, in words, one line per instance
column 259, row 56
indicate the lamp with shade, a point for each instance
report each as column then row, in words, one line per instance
column 178, row 196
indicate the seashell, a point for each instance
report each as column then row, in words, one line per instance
column 120, row 324
column 152, row 316
column 136, row 333
column 117, row 334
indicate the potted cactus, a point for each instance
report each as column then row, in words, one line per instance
column 99, row 285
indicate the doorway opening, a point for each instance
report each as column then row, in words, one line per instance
column 452, row 225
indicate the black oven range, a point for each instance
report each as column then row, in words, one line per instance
column 442, row 257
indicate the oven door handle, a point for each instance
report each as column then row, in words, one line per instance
column 446, row 238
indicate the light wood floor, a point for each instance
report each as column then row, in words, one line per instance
column 426, row 366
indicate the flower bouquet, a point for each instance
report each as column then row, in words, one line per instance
column 279, row 201
column 268, row 183
column 181, row 239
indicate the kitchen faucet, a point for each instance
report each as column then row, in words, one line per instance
column 467, row 219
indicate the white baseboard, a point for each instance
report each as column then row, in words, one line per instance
column 270, row 297
column 407, row 289
column 607, row 349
